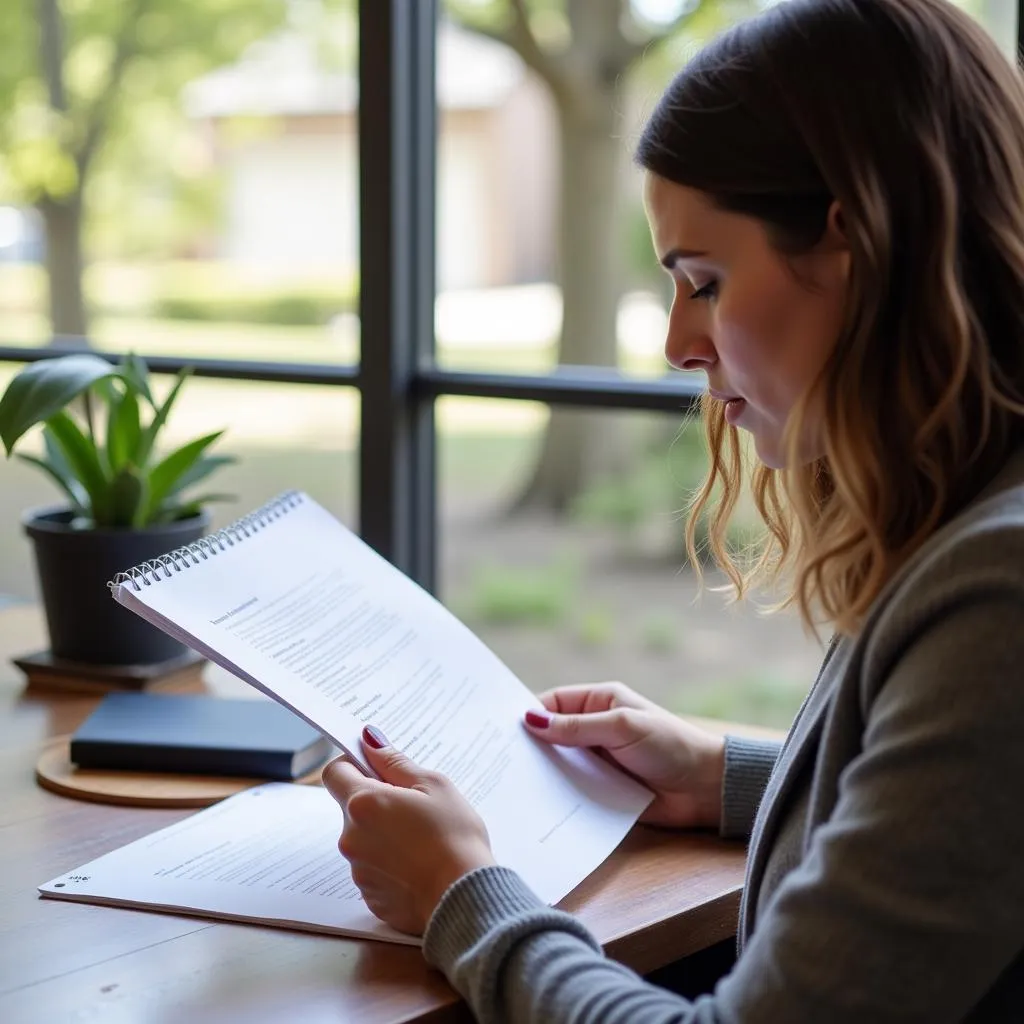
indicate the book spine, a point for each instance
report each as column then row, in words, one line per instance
column 133, row 757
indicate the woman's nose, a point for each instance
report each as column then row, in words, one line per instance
column 691, row 359
column 688, row 345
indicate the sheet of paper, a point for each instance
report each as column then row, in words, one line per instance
column 268, row 854
column 312, row 616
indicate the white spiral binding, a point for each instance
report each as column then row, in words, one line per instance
column 148, row 573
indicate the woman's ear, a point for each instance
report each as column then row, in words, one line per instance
column 835, row 237
column 828, row 264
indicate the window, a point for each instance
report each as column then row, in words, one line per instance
column 318, row 327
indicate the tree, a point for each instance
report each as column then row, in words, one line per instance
column 584, row 51
column 70, row 75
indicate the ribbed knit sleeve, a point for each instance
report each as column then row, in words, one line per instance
column 748, row 765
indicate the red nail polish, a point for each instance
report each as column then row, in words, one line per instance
column 374, row 737
column 537, row 719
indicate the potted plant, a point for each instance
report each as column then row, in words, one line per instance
column 124, row 501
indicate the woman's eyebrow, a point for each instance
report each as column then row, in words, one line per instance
column 673, row 256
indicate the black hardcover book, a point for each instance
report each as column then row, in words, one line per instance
column 195, row 735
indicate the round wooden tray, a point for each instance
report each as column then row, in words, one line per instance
column 55, row 772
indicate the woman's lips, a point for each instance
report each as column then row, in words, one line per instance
column 734, row 409
column 734, row 406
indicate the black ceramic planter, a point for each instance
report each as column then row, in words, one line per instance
column 73, row 566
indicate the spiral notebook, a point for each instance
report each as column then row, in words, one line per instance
column 290, row 600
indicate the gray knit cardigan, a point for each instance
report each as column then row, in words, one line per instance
column 885, row 875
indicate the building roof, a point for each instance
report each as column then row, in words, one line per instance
column 282, row 75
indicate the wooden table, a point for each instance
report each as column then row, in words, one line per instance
column 658, row 898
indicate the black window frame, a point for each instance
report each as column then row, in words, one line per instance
column 397, row 377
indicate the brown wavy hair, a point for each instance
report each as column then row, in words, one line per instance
column 907, row 114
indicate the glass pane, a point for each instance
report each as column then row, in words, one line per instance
column 219, row 206
column 284, row 436
column 499, row 192
column 602, row 590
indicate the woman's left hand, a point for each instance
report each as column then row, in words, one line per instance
column 407, row 837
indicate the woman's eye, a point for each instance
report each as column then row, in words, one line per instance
column 709, row 291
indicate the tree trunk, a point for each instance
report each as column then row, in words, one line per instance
column 63, row 223
column 580, row 446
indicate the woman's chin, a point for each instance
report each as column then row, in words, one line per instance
column 768, row 452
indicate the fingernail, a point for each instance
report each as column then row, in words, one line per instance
column 374, row 737
column 537, row 719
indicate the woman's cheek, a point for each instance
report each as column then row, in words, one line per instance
column 738, row 358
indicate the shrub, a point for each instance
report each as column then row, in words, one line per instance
column 756, row 699
column 291, row 309
column 516, row 595
column 655, row 490
column 659, row 634
column 595, row 627
column 214, row 291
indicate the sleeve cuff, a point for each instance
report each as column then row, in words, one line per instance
column 748, row 766
column 478, row 903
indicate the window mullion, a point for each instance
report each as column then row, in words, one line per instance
column 397, row 158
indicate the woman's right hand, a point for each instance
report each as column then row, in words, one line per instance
column 680, row 762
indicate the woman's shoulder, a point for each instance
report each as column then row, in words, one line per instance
column 985, row 534
column 977, row 558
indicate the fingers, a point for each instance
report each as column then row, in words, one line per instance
column 610, row 729
column 591, row 697
column 385, row 900
column 369, row 879
column 396, row 913
column 391, row 765
column 341, row 778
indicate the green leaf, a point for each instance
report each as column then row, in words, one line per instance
column 168, row 513
column 44, row 388
column 136, row 373
column 150, row 434
column 166, row 473
column 55, row 457
column 64, row 484
column 124, row 434
column 200, row 470
column 84, row 463
column 128, row 498
column 106, row 391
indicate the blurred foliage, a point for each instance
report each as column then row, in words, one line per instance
column 660, row 633
column 625, row 502
column 22, row 287
column 296, row 305
column 650, row 497
column 516, row 595
column 169, row 206
column 123, row 62
column 595, row 626
column 551, row 24
column 759, row 699
column 295, row 309
column 200, row 290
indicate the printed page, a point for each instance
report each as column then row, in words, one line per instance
column 312, row 616
column 268, row 854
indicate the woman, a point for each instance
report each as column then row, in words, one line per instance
column 837, row 190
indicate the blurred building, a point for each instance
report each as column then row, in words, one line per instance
column 283, row 132
column 21, row 235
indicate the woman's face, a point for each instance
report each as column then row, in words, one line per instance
column 759, row 324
